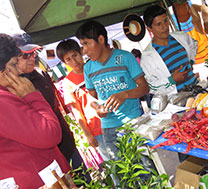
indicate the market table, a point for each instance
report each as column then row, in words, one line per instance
column 171, row 109
column 180, row 148
column 175, row 148
column 156, row 121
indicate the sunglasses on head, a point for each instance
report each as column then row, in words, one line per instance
column 28, row 55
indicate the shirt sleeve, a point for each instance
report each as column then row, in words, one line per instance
column 29, row 121
column 88, row 82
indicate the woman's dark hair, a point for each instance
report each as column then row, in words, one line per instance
column 151, row 12
column 66, row 46
column 92, row 30
column 136, row 53
column 8, row 50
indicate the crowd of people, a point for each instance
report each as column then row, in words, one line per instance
column 103, row 93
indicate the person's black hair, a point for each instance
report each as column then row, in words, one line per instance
column 136, row 53
column 151, row 12
column 66, row 46
column 8, row 50
column 92, row 30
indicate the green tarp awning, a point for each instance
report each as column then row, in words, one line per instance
column 52, row 20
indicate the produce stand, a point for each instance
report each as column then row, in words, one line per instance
column 175, row 148
column 181, row 147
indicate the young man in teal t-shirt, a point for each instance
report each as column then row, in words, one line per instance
column 115, row 78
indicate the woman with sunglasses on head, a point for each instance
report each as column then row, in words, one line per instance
column 29, row 130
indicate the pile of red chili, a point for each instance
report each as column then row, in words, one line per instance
column 192, row 129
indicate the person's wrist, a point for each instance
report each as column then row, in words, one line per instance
column 125, row 94
column 95, row 105
column 171, row 80
column 88, row 135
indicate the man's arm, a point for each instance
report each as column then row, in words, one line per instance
column 79, row 116
column 75, row 105
column 178, row 76
column 204, row 10
column 114, row 101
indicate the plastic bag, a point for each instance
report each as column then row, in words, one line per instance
column 180, row 98
column 136, row 122
column 158, row 103
column 149, row 131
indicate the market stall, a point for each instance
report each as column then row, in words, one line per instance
column 154, row 125
column 181, row 125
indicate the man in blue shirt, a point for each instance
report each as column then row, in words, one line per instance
column 115, row 78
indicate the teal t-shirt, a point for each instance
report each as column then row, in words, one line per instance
column 117, row 74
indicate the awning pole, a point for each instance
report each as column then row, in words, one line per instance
column 169, row 16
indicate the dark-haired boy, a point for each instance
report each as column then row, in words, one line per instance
column 77, row 97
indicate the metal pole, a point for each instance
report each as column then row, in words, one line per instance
column 169, row 16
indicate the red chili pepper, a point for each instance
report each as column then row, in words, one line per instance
column 198, row 116
column 195, row 144
column 203, row 141
column 189, row 146
column 168, row 134
column 169, row 142
column 200, row 147
column 177, row 125
column 206, row 136
column 202, row 122
column 193, row 131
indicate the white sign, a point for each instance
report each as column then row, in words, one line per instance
column 8, row 183
column 47, row 176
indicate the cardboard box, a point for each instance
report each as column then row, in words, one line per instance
column 186, row 173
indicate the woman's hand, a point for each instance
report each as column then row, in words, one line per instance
column 19, row 86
